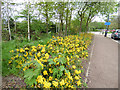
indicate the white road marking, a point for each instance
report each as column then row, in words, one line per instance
column 89, row 63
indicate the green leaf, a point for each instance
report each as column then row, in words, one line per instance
column 49, row 60
column 60, row 73
column 67, row 71
column 61, row 68
column 32, row 81
column 52, row 63
column 28, row 73
column 55, row 72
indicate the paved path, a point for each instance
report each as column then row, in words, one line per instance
column 103, row 72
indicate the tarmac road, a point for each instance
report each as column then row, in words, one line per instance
column 103, row 72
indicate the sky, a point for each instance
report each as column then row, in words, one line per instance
column 98, row 18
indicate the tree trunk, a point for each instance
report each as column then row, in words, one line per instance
column 47, row 23
column 70, row 22
column 8, row 22
column 28, row 23
column 15, row 25
column 66, row 29
column 66, row 21
column 60, row 25
column 80, row 26
column 46, row 18
column 86, row 30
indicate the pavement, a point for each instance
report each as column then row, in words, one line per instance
column 103, row 67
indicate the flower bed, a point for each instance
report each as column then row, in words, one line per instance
column 55, row 65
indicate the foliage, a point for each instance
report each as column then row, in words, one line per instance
column 54, row 64
column 19, row 42
column 97, row 25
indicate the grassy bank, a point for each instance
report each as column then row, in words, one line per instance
column 14, row 44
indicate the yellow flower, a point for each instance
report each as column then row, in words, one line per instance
column 76, row 71
column 12, row 51
column 50, row 70
column 57, row 63
column 25, row 55
column 40, row 79
column 47, row 84
column 51, row 48
column 70, row 77
column 33, row 46
column 55, row 83
column 43, row 50
column 68, row 59
column 66, row 85
column 76, row 77
column 30, row 53
column 77, row 56
column 12, row 58
column 21, row 50
column 62, row 82
column 73, row 66
column 16, row 56
column 10, row 61
column 40, row 63
column 17, row 50
column 39, row 54
column 50, row 78
column 46, row 55
column 79, row 71
column 33, row 50
column 79, row 83
column 70, row 86
column 53, row 36
column 26, row 48
column 45, row 72
column 78, row 50
column 57, row 51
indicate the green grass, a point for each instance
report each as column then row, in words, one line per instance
column 109, row 32
column 14, row 44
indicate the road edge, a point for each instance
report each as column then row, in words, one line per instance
column 91, row 53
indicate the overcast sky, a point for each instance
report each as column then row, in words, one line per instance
column 98, row 18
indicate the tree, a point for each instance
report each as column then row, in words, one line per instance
column 8, row 20
column 59, row 7
column 67, row 12
column 71, row 8
column 82, row 8
column 114, row 22
column 47, row 11
column 28, row 22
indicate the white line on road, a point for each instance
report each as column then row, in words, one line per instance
column 89, row 63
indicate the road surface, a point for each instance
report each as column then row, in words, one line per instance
column 103, row 72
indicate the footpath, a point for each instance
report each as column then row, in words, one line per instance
column 103, row 68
